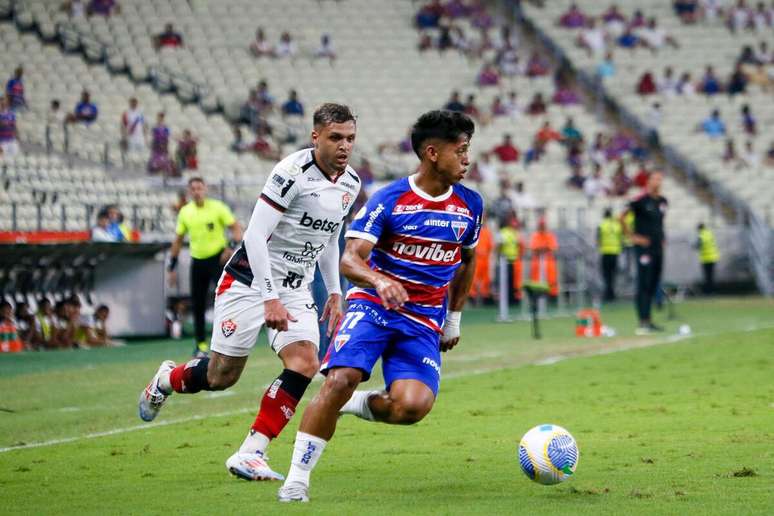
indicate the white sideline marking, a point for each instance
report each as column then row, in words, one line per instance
column 553, row 359
column 124, row 430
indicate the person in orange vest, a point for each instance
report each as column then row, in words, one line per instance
column 544, row 246
column 9, row 337
column 481, row 288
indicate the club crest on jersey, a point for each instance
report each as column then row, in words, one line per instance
column 228, row 327
column 459, row 228
column 346, row 200
column 340, row 341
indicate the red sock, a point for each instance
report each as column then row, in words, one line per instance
column 190, row 377
column 279, row 403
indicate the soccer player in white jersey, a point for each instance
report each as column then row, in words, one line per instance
column 295, row 225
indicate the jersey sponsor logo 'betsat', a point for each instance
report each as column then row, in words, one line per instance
column 435, row 253
column 328, row 226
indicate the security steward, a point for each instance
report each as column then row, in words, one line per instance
column 609, row 241
column 204, row 220
column 709, row 255
column 648, row 238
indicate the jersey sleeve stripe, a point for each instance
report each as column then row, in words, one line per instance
column 274, row 204
column 362, row 235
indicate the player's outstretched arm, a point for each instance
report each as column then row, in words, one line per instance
column 356, row 269
column 458, row 294
column 262, row 223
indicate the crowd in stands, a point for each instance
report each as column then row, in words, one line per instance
column 80, row 8
column 111, row 226
column 736, row 15
column 53, row 325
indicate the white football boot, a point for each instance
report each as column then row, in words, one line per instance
column 151, row 398
column 251, row 466
column 293, row 492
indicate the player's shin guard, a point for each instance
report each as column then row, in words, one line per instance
column 279, row 403
column 190, row 377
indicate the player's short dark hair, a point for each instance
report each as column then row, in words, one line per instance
column 102, row 308
column 441, row 125
column 196, row 179
column 332, row 113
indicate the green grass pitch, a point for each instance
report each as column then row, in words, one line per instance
column 665, row 425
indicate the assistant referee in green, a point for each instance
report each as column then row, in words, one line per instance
column 204, row 220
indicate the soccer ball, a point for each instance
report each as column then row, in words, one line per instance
column 548, row 454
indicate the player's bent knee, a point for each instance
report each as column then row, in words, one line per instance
column 342, row 382
column 410, row 413
column 302, row 358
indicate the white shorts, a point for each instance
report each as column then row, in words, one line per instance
column 239, row 316
column 10, row 148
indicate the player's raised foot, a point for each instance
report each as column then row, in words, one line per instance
column 293, row 492
column 251, row 466
column 152, row 398
column 201, row 350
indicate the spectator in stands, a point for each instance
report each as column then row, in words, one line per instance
column 263, row 147
column 480, row 17
column 444, row 39
column 498, row 108
column 762, row 53
column 713, row 126
column 25, row 325
column 739, row 17
column 565, row 95
column 710, row 84
column 641, row 178
column 737, row 82
column 628, row 40
column 365, row 172
column 502, row 206
column 186, row 154
column 454, row 103
column 286, row 47
column 506, row 151
column 547, row 134
column 326, row 50
column 570, row 133
column 594, row 186
column 686, row 10
column 638, row 20
column 711, row 9
column 488, row 76
column 44, row 324
column 573, row 18
column 425, row 42
column 537, row 65
column 9, row 336
column 770, row 155
column 597, row 153
column 593, row 39
column 260, row 46
column 759, row 77
column 685, row 85
column 537, row 105
column 74, row 8
column 655, row 37
column 86, row 111
column 653, row 121
column 747, row 56
column 646, row 85
column 103, row 7
column 485, row 169
column 14, row 90
column 460, row 41
column 429, row 15
column 615, row 22
column 160, row 161
column 522, row 200
column 9, row 132
column 101, row 232
column 606, row 68
column 749, row 124
column 168, row 38
column 508, row 62
column 729, row 153
column 621, row 181
column 471, row 109
column 667, row 85
column 134, row 131
column 512, row 105
column 293, row 107
column 117, row 226
column 576, row 179
column 750, row 158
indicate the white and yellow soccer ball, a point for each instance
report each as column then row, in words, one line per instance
column 548, row 454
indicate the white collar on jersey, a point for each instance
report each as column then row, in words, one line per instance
column 425, row 195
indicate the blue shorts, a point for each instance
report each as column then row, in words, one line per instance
column 409, row 350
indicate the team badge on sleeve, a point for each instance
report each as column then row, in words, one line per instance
column 459, row 228
column 228, row 327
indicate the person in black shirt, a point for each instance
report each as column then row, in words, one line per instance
column 648, row 238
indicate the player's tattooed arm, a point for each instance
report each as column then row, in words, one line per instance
column 458, row 294
column 355, row 268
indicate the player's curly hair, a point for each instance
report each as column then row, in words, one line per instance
column 332, row 113
column 442, row 125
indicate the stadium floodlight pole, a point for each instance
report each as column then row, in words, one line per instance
column 503, row 293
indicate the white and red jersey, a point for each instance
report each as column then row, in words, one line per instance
column 133, row 122
column 313, row 211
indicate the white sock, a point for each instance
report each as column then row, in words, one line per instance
column 255, row 442
column 164, row 384
column 306, row 453
column 358, row 405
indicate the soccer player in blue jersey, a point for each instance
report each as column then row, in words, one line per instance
column 410, row 253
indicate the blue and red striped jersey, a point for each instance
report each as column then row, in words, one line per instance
column 418, row 241
column 7, row 126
